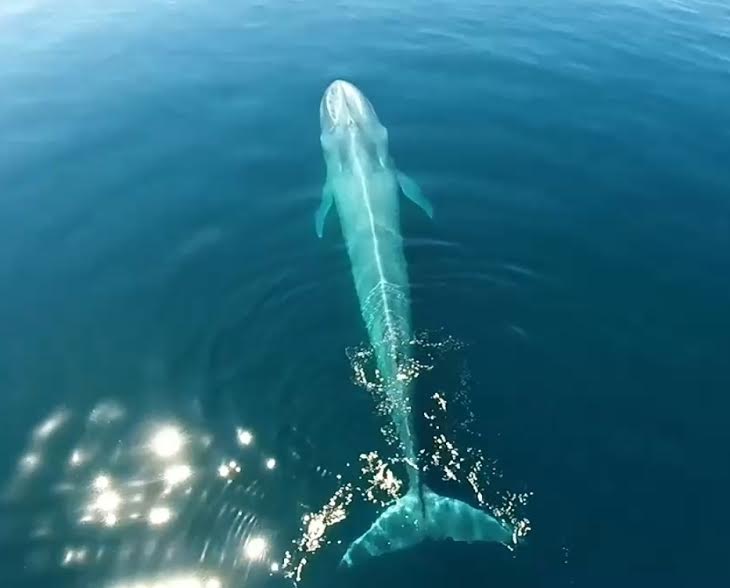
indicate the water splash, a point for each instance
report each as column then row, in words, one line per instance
column 450, row 450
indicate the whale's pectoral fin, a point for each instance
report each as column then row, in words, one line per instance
column 414, row 518
column 324, row 208
column 414, row 194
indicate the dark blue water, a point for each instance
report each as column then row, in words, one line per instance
column 159, row 170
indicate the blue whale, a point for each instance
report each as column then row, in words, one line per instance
column 364, row 185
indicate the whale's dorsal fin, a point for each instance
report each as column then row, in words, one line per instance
column 414, row 194
column 324, row 208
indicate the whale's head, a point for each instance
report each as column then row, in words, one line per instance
column 345, row 114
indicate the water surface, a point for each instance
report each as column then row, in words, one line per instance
column 159, row 171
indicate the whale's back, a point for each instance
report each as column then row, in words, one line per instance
column 369, row 213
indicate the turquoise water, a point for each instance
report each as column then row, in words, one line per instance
column 159, row 171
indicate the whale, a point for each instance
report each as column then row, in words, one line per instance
column 364, row 186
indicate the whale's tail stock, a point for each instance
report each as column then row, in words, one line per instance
column 423, row 515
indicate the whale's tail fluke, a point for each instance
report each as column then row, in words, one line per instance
column 416, row 517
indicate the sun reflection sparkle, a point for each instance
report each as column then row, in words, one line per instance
column 50, row 425
column 159, row 515
column 255, row 548
column 167, row 442
column 244, row 437
column 140, row 479
column 77, row 458
column 101, row 482
column 177, row 474
column 108, row 500
column 29, row 463
column 73, row 556
column 180, row 580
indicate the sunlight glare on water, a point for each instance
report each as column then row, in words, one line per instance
column 167, row 442
column 128, row 496
column 255, row 548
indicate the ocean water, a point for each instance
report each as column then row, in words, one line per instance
column 168, row 315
